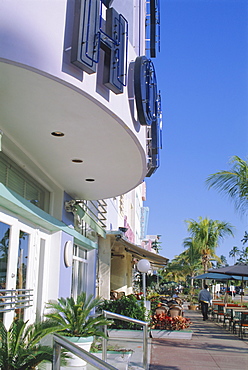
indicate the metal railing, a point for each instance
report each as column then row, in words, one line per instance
column 12, row 299
column 144, row 324
column 73, row 348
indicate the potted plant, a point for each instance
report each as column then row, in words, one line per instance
column 194, row 303
column 76, row 324
column 20, row 346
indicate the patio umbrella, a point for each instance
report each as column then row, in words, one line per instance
column 240, row 269
column 212, row 275
column 217, row 276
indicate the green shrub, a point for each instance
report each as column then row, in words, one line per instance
column 154, row 301
column 126, row 306
column 186, row 291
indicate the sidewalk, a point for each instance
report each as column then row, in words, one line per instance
column 211, row 347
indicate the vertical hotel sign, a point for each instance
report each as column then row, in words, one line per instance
column 92, row 33
column 144, row 222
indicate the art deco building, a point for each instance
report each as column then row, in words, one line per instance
column 80, row 119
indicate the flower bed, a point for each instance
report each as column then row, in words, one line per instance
column 164, row 322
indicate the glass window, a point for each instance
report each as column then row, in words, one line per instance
column 22, row 260
column 16, row 179
column 22, row 264
column 79, row 271
column 4, row 247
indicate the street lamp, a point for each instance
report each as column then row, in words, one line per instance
column 144, row 266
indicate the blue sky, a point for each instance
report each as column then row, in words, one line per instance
column 202, row 72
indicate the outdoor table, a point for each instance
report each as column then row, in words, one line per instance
column 239, row 309
column 236, row 318
column 215, row 307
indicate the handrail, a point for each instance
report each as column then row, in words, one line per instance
column 112, row 315
column 59, row 342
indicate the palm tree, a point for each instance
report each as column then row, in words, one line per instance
column 156, row 245
column 222, row 262
column 243, row 257
column 234, row 252
column 245, row 238
column 192, row 257
column 176, row 270
column 186, row 264
column 20, row 346
column 206, row 235
column 234, row 183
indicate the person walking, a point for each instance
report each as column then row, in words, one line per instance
column 204, row 298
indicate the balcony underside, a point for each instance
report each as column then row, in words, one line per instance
column 34, row 105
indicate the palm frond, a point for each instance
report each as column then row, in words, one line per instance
column 233, row 183
column 74, row 317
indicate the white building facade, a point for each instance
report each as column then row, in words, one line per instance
column 80, row 122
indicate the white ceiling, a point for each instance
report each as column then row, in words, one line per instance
column 32, row 106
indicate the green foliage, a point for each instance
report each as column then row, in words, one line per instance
column 206, row 234
column 233, row 182
column 185, row 265
column 74, row 318
column 186, row 291
column 245, row 238
column 156, row 245
column 154, row 301
column 126, row 306
column 20, row 346
column 97, row 347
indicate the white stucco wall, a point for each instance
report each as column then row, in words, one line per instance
column 37, row 34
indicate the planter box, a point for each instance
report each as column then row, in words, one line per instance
column 117, row 359
column 172, row 334
column 125, row 333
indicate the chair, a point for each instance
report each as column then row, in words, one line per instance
column 161, row 311
column 236, row 320
column 243, row 324
column 228, row 316
column 220, row 312
column 214, row 310
column 171, row 302
column 179, row 300
column 120, row 294
column 175, row 311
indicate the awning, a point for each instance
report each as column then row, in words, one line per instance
column 155, row 259
column 18, row 205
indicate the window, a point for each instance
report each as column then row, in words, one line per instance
column 4, row 248
column 79, row 271
column 16, row 179
column 22, row 260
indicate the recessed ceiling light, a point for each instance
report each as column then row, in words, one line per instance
column 77, row 160
column 57, row 133
column 90, row 180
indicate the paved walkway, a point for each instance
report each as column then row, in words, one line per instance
column 211, row 347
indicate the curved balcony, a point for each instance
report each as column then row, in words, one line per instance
column 80, row 134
